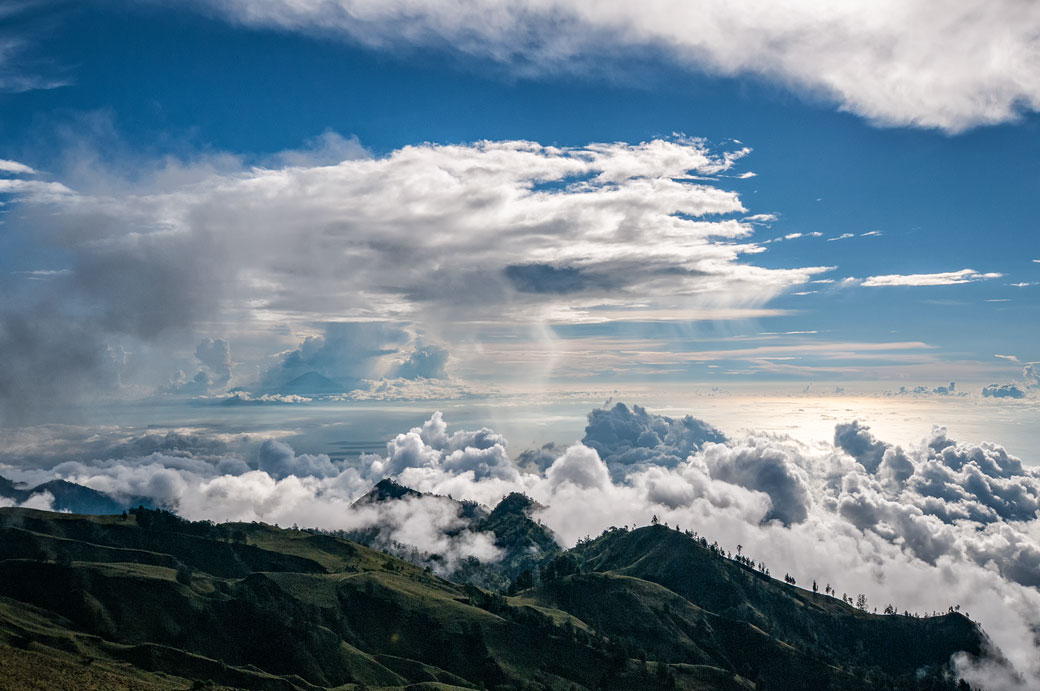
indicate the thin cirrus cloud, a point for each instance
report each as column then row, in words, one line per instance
column 19, row 71
column 914, row 63
column 939, row 279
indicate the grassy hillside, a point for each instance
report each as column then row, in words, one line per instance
column 155, row 602
column 827, row 626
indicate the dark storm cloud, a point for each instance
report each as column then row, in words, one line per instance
column 546, row 278
column 49, row 359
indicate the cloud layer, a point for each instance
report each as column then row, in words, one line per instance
column 950, row 66
column 307, row 257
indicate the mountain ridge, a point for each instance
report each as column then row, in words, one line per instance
column 256, row 606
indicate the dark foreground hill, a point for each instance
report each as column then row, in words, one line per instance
column 155, row 602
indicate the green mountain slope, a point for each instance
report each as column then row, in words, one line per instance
column 827, row 626
column 155, row 602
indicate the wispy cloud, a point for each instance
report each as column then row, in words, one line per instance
column 938, row 279
column 19, row 72
column 911, row 63
column 15, row 168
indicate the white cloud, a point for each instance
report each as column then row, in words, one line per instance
column 280, row 461
column 15, row 168
column 443, row 242
column 1009, row 358
column 940, row 279
column 843, row 236
column 19, row 70
column 41, row 501
column 950, row 66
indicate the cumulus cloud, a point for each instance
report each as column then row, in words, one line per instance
column 909, row 63
column 280, row 461
column 940, row 279
column 216, row 355
column 941, row 390
column 631, row 438
column 1031, row 374
column 1003, row 391
column 762, row 466
column 430, row 449
column 424, row 240
column 925, row 527
column 425, row 362
column 335, row 361
column 580, row 466
column 196, row 386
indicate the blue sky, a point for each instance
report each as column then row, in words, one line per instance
column 905, row 161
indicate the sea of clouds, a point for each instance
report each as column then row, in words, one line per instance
column 923, row 528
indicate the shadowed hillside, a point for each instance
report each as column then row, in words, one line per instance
column 525, row 544
column 731, row 603
column 151, row 601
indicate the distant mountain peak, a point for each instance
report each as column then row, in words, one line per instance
column 516, row 503
column 387, row 490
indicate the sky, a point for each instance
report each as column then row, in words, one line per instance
column 249, row 249
column 518, row 202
